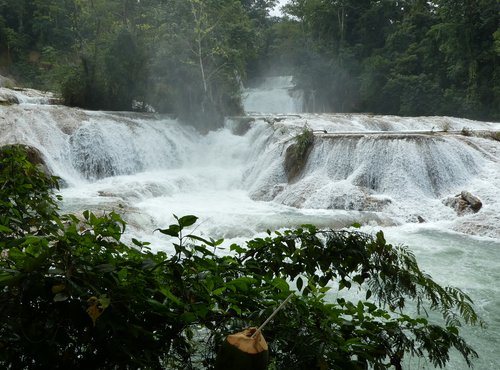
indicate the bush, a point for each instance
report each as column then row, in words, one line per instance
column 74, row 296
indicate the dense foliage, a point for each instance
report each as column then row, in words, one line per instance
column 73, row 295
column 182, row 56
column 189, row 57
column 411, row 57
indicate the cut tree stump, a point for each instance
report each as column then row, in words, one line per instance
column 243, row 351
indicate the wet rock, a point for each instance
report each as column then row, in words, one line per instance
column 7, row 98
column 297, row 154
column 240, row 125
column 473, row 201
column 464, row 203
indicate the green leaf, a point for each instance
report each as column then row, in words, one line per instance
column 200, row 239
column 168, row 294
column 105, row 267
column 137, row 242
column 236, row 309
column 5, row 229
column 188, row 317
column 242, row 283
column 122, row 274
column 7, row 276
column 187, row 221
column 380, row 238
column 281, row 284
column 219, row 291
column 236, row 248
column 173, row 230
column 60, row 297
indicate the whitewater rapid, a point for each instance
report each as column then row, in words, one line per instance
column 383, row 172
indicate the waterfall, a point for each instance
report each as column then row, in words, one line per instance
column 380, row 171
column 274, row 95
column 414, row 166
column 400, row 168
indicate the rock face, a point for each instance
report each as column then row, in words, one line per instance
column 296, row 154
column 7, row 98
column 295, row 162
column 464, row 203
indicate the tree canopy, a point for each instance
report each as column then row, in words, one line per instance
column 399, row 57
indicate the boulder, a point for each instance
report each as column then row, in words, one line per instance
column 474, row 203
column 464, row 203
column 7, row 98
column 240, row 125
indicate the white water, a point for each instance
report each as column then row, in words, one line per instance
column 274, row 95
column 381, row 171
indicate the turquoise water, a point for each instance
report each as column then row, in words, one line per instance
column 471, row 264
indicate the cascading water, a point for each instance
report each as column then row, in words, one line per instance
column 381, row 171
column 274, row 95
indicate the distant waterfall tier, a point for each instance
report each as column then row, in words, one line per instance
column 110, row 148
column 273, row 95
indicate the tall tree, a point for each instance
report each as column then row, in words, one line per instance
column 202, row 57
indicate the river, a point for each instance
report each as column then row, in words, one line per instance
column 384, row 172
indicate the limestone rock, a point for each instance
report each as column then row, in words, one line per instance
column 464, row 203
column 474, row 203
column 295, row 160
column 7, row 98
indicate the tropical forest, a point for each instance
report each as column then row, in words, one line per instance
column 249, row 184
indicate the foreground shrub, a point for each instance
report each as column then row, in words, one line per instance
column 74, row 296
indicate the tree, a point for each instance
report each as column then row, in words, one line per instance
column 73, row 295
column 465, row 33
column 367, row 56
column 201, row 58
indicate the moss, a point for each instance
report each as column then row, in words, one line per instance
column 495, row 135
